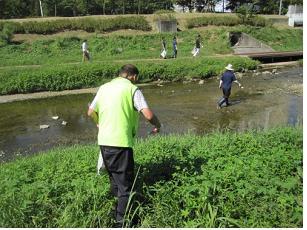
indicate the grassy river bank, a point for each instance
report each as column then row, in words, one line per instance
column 251, row 179
column 54, row 64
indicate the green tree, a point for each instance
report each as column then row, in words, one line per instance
column 209, row 5
column 7, row 33
column 73, row 7
column 26, row 8
column 19, row 8
column 186, row 3
column 264, row 6
column 102, row 4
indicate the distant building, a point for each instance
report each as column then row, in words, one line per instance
column 295, row 14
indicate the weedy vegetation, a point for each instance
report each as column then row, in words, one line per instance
column 88, row 24
column 62, row 77
column 226, row 20
column 251, row 179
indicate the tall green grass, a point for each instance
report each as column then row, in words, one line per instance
column 225, row 20
column 279, row 39
column 62, row 77
column 251, row 179
column 85, row 23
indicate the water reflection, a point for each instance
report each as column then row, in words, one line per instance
column 293, row 111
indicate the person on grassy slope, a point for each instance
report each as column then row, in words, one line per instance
column 85, row 52
column 174, row 47
column 225, row 84
column 197, row 46
column 163, row 52
column 116, row 109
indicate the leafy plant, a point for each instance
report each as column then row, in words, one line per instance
column 7, row 33
column 222, row 180
column 61, row 77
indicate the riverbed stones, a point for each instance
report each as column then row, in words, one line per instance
column 274, row 71
column 201, row 82
column 55, row 117
column 64, row 122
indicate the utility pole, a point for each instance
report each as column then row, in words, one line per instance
column 223, row 6
column 103, row 7
column 139, row 6
column 280, row 4
column 41, row 7
column 55, row 9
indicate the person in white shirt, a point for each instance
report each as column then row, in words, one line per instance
column 86, row 53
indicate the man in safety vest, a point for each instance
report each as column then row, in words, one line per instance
column 116, row 109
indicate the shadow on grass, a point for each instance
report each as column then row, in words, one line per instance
column 160, row 172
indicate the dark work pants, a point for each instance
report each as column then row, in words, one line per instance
column 174, row 53
column 119, row 164
column 226, row 94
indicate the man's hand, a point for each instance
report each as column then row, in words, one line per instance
column 155, row 130
column 91, row 113
column 150, row 116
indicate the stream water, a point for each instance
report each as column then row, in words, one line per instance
column 267, row 100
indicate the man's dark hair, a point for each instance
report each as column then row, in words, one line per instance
column 129, row 69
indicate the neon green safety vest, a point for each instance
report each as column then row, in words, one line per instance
column 118, row 120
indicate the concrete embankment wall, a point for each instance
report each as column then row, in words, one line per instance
column 247, row 44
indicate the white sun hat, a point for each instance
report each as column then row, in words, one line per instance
column 229, row 67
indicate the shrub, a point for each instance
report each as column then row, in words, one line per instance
column 7, row 33
column 247, row 15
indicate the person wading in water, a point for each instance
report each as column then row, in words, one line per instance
column 225, row 84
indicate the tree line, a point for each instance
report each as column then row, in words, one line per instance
column 68, row 8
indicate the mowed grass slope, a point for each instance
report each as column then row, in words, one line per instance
column 110, row 48
column 251, row 179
